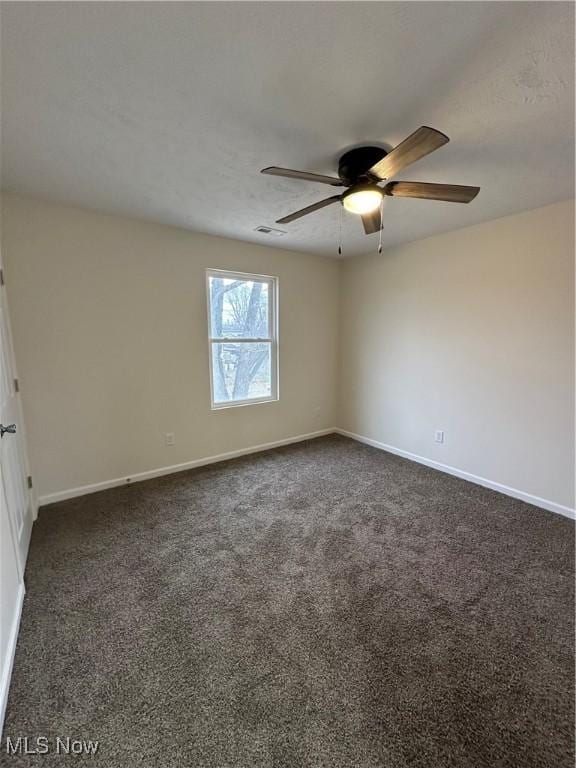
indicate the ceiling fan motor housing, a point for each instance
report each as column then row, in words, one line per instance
column 354, row 164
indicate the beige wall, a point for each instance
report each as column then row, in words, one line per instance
column 109, row 320
column 470, row 332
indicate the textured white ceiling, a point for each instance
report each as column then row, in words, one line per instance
column 167, row 111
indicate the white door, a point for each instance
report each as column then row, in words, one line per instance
column 18, row 496
column 11, row 597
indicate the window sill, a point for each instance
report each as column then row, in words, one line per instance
column 241, row 403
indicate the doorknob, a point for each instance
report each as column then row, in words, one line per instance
column 11, row 429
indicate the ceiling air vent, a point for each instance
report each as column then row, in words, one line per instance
column 270, row 231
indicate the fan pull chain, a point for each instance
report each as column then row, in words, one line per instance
column 381, row 225
column 340, row 233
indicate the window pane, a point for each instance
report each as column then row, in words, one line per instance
column 239, row 308
column 241, row 371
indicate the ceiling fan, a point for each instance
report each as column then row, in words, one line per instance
column 362, row 169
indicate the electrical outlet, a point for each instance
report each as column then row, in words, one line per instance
column 439, row 436
column 169, row 438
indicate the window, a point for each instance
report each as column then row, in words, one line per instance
column 243, row 338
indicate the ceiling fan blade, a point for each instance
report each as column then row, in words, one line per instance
column 372, row 222
column 303, row 176
column 417, row 145
column 308, row 209
column 451, row 193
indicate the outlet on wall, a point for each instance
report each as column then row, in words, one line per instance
column 169, row 438
column 439, row 436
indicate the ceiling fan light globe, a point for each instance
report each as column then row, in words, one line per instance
column 363, row 201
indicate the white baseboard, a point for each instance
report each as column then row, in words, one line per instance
column 8, row 661
column 551, row 506
column 71, row 493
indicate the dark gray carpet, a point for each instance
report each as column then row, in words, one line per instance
column 322, row 605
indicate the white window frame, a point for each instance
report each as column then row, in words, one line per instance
column 272, row 283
